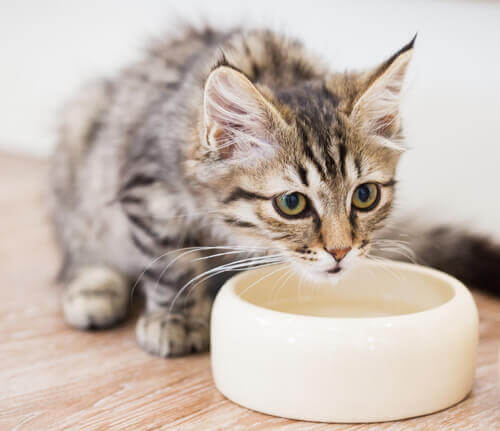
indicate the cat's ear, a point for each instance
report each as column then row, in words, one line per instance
column 377, row 106
column 238, row 119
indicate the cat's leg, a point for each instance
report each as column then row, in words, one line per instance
column 175, row 326
column 95, row 297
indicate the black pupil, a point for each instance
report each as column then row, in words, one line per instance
column 292, row 201
column 364, row 193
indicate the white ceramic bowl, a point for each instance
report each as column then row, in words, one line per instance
column 388, row 342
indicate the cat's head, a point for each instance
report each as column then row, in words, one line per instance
column 308, row 170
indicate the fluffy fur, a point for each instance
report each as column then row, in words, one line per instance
column 169, row 171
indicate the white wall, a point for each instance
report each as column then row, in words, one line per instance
column 452, row 107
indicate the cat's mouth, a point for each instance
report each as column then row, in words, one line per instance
column 335, row 270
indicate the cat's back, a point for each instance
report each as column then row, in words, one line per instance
column 120, row 101
column 102, row 128
column 96, row 124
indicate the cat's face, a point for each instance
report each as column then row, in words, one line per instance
column 309, row 171
column 322, row 218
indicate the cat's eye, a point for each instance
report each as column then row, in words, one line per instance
column 366, row 197
column 291, row 205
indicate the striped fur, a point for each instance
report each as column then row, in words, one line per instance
column 188, row 148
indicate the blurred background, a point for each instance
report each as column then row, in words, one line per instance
column 451, row 107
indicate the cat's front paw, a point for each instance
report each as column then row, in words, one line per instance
column 168, row 335
column 96, row 298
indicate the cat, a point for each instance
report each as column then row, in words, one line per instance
column 220, row 151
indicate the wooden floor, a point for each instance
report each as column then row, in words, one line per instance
column 55, row 378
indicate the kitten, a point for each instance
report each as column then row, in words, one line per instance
column 215, row 147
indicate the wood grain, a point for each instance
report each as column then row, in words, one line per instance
column 55, row 378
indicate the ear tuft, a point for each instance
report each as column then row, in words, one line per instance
column 237, row 116
column 377, row 106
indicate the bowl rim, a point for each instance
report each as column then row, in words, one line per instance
column 459, row 291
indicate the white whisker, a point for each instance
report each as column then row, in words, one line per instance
column 275, row 287
column 243, row 263
column 384, row 264
column 161, row 256
column 262, row 278
column 193, row 287
column 290, row 273
column 395, row 247
column 196, row 249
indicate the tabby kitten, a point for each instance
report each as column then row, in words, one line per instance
column 220, row 145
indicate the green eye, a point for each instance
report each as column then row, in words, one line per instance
column 290, row 205
column 366, row 197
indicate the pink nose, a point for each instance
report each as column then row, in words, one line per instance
column 339, row 253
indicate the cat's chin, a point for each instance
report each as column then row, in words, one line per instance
column 332, row 275
column 315, row 275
